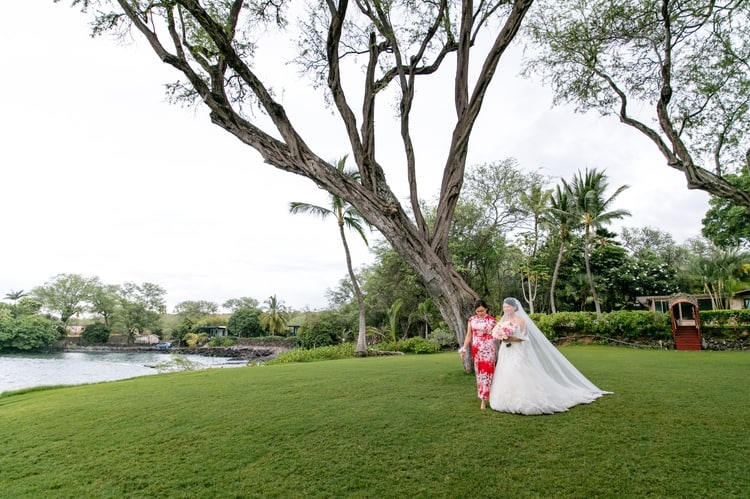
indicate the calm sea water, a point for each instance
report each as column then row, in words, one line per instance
column 73, row 368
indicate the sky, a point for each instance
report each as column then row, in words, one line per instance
column 102, row 177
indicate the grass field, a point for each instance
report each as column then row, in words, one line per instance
column 676, row 426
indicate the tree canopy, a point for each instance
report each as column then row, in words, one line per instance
column 391, row 45
column 676, row 71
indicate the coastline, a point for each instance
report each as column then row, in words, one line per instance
column 257, row 353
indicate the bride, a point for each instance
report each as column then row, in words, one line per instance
column 532, row 376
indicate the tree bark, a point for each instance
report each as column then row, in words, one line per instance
column 208, row 70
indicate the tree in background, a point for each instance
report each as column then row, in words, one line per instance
column 588, row 193
column 491, row 216
column 66, row 294
column 14, row 296
column 245, row 322
column 321, row 329
column 347, row 217
column 104, row 302
column 726, row 223
column 561, row 220
column 535, row 202
column 142, row 305
column 274, row 317
column 213, row 45
column 96, row 333
column 721, row 271
column 234, row 304
column 688, row 60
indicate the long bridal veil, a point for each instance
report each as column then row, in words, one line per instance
column 549, row 358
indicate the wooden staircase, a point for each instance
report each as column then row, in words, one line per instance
column 687, row 338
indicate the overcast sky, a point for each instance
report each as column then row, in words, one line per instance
column 102, row 177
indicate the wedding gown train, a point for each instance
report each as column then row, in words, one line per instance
column 532, row 377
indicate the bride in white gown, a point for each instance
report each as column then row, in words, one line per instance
column 532, row 376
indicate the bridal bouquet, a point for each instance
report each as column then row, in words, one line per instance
column 502, row 331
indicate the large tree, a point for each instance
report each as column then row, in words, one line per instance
column 66, row 294
column 676, row 71
column 213, row 45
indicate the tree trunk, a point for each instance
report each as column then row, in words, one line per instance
column 591, row 277
column 361, row 349
column 553, row 307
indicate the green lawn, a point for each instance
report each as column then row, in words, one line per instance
column 676, row 426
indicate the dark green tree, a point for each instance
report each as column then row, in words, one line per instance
column 321, row 329
column 245, row 323
column 29, row 332
column 96, row 333
column 726, row 223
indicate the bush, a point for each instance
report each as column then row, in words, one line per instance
column 410, row 345
column 725, row 323
column 96, row 334
column 319, row 330
column 445, row 338
column 222, row 341
column 626, row 324
column 635, row 324
column 342, row 351
column 29, row 332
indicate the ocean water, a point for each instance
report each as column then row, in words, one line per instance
column 18, row 371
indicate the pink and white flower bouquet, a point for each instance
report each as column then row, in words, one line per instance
column 502, row 331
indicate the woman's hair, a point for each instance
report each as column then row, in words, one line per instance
column 480, row 303
column 512, row 302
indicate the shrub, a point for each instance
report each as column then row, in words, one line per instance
column 319, row 330
column 193, row 340
column 725, row 323
column 410, row 345
column 28, row 332
column 635, row 324
column 222, row 341
column 444, row 337
column 96, row 333
column 342, row 351
column 418, row 345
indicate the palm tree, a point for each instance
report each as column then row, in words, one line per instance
column 536, row 204
column 347, row 217
column 14, row 296
column 562, row 219
column 275, row 316
column 587, row 193
column 718, row 269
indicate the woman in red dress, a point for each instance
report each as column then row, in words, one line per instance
column 479, row 336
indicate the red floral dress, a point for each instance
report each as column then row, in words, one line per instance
column 483, row 352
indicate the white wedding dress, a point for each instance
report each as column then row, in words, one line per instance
column 533, row 377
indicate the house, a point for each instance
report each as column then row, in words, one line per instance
column 74, row 329
column 212, row 331
column 740, row 300
column 146, row 339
